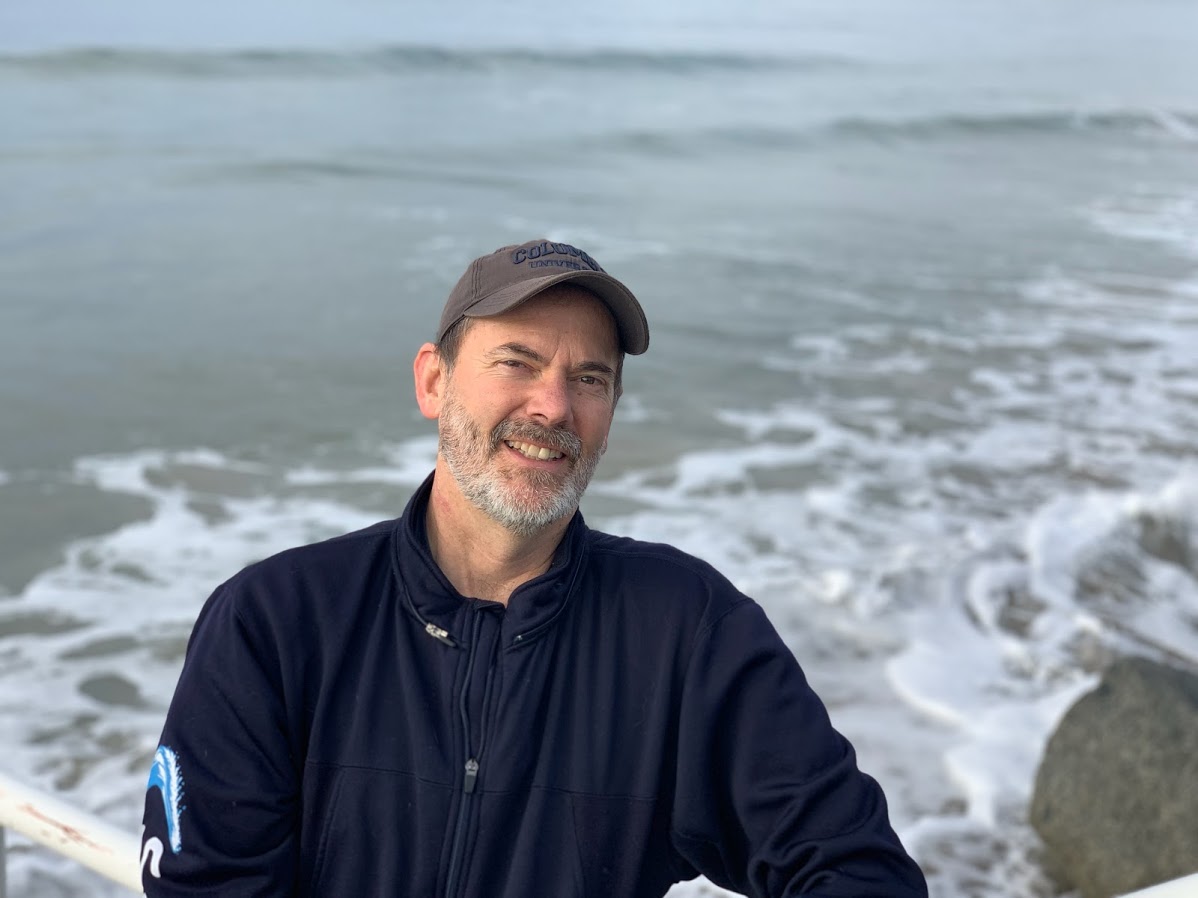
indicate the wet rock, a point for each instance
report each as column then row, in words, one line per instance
column 1116, row 796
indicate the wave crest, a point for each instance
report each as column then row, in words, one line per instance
column 397, row 59
column 1152, row 123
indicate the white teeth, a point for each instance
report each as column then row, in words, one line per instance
column 530, row 451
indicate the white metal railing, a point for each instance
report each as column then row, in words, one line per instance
column 1186, row 887
column 109, row 851
column 113, row 853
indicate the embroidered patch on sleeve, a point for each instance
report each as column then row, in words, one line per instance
column 167, row 778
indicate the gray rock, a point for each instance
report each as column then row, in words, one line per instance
column 1116, row 796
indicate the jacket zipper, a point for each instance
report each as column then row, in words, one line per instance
column 471, row 767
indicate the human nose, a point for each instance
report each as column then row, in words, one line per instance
column 550, row 401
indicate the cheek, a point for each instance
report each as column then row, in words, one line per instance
column 487, row 407
column 596, row 432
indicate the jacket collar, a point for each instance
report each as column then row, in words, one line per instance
column 430, row 596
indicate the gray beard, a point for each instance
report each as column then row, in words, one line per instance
column 548, row 497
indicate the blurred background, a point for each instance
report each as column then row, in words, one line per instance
column 922, row 279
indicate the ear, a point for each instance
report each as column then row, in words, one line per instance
column 430, row 377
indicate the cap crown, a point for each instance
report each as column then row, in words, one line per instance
column 494, row 283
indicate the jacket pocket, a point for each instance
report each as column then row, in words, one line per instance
column 329, row 814
column 370, row 833
column 623, row 848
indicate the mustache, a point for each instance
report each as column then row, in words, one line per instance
column 527, row 432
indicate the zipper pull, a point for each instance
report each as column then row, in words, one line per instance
column 439, row 634
column 471, row 776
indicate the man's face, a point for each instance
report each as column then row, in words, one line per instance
column 528, row 405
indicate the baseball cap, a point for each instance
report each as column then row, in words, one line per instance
column 511, row 275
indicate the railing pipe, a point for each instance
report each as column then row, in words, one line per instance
column 76, row 834
column 1186, row 887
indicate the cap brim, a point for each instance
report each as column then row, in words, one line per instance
column 631, row 325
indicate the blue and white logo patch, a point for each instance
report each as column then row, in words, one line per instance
column 167, row 778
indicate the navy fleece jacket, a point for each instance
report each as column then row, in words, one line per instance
column 347, row 724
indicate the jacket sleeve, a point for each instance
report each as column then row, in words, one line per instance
column 769, row 801
column 222, row 797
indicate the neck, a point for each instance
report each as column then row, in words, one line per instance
column 481, row 558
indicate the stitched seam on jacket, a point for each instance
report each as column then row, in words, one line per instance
column 333, row 765
column 742, row 602
column 621, row 797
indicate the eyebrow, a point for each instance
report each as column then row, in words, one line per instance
column 532, row 355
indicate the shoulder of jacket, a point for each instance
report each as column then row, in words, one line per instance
column 649, row 564
column 313, row 569
column 641, row 555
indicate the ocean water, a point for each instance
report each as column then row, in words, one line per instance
column 923, row 287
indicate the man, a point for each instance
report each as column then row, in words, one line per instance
column 487, row 698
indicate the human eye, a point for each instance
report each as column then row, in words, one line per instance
column 593, row 383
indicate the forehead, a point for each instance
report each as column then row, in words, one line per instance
column 562, row 314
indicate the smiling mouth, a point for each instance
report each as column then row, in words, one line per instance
column 528, row 450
